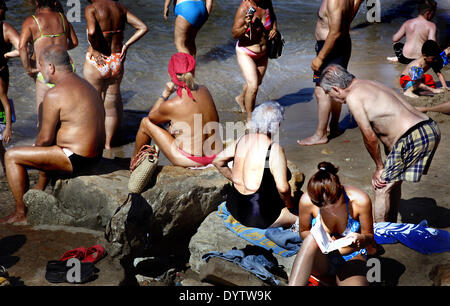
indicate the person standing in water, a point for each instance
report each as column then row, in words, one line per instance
column 190, row 17
column 105, row 58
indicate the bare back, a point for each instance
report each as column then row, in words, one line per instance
column 109, row 18
column 48, row 28
column 249, row 162
column 389, row 114
column 417, row 31
column 77, row 107
column 202, row 119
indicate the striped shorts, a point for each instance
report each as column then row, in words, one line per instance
column 412, row 154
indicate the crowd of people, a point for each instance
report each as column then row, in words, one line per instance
column 260, row 195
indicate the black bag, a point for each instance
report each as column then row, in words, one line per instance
column 275, row 46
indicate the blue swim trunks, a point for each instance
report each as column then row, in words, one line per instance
column 194, row 11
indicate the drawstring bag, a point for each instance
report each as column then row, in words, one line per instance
column 275, row 46
column 142, row 168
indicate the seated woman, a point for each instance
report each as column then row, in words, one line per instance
column 191, row 140
column 261, row 195
column 344, row 211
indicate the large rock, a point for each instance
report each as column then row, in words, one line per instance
column 212, row 235
column 179, row 198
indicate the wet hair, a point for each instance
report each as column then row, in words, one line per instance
column 335, row 75
column 57, row 56
column 266, row 118
column 426, row 5
column 431, row 48
column 324, row 187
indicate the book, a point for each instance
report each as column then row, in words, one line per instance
column 324, row 241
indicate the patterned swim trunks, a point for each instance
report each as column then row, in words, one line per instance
column 412, row 154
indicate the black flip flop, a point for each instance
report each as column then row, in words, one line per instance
column 57, row 272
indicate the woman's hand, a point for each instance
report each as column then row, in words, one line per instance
column 272, row 33
column 123, row 54
column 357, row 240
column 7, row 135
column 166, row 13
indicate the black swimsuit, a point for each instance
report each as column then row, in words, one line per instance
column 260, row 209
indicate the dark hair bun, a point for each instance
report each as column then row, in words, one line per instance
column 328, row 167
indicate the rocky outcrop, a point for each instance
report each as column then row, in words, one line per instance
column 179, row 200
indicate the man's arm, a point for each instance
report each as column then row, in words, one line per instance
column 334, row 12
column 432, row 32
column 370, row 140
column 50, row 120
column 400, row 33
column 356, row 7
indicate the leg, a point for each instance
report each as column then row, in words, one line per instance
column 184, row 36
column 324, row 106
column 165, row 141
column 386, row 202
column 353, row 273
column 2, row 156
column 309, row 259
column 285, row 219
column 441, row 108
column 251, row 75
column 41, row 90
column 42, row 158
column 113, row 110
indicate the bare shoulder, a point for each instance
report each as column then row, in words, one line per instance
column 358, row 197
column 306, row 205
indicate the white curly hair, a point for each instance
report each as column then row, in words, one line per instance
column 266, row 118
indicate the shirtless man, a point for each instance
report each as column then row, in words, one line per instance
column 72, row 135
column 334, row 46
column 104, row 64
column 417, row 31
column 47, row 27
column 410, row 138
column 193, row 139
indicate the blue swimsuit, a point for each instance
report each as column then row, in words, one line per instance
column 194, row 11
column 336, row 259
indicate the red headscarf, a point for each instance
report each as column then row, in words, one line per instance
column 181, row 63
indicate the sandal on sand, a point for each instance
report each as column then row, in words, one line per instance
column 142, row 168
column 57, row 272
column 94, row 254
column 79, row 253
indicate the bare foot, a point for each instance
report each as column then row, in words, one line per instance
column 410, row 94
column 421, row 109
column 240, row 101
column 392, row 58
column 313, row 140
column 16, row 219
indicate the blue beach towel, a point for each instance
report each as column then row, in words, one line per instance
column 253, row 235
column 418, row 237
column 259, row 265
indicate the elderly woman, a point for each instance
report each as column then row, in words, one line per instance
column 342, row 211
column 190, row 17
column 191, row 139
column 261, row 195
column 252, row 31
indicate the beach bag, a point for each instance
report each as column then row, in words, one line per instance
column 275, row 46
column 129, row 227
column 142, row 168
